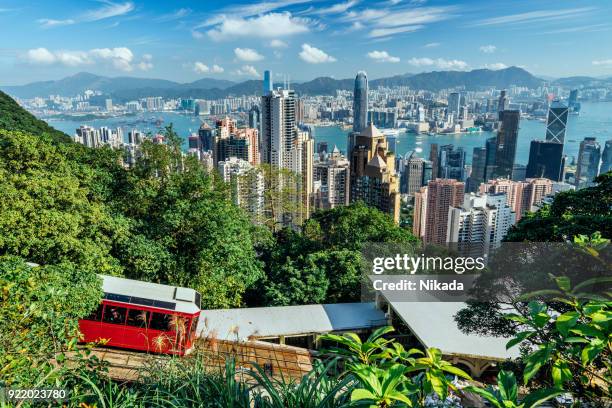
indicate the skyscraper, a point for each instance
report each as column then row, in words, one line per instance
column 360, row 102
column 479, row 167
column 454, row 103
column 556, row 122
column 606, row 158
column 254, row 117
column 545, row 160
column 502, row 103
column 441, row 195
column 413, row 174
column 433, row 158
column 588, row 162
column 268, row 82
column 491, row 152
column 506, row 142
column 373, row 177
column 451, row 163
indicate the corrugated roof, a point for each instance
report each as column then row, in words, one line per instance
column 152, row 291
column 288, row 320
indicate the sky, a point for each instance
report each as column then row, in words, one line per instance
column 237, row 40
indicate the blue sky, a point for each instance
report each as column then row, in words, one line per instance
column 237, row 40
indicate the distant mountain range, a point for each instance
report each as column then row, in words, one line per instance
column 123, row 89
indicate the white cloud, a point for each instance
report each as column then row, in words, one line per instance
column 247, row 54
column 278, row 44
column 337, row 8
column 121, row 57
column 496, row 66
column 385, row 32
column 264, row 26
column 201, row 68
column 382, row 56
column 432, row 45
column 49, row 22
column 606, row 62
column 488, row 49
column 216, row 69
column 178, row 14
column 146, row 64
column 40, row 56
column 441, row 63
column 247, row 70
column 535, row 16
column 109, row 10
column 313, row 55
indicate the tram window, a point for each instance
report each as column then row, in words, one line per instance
column 96, row 315
column 160, row 321
column 114, row 314
column 137, row 318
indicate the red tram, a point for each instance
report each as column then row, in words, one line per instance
column 144, row 316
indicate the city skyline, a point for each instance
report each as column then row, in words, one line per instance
column 238, row 41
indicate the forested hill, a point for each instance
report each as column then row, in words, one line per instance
column 14, row 117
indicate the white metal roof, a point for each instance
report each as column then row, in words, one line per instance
column 434, row 325
column 184, row 298
column 239, row 324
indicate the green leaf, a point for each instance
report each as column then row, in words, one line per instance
column 592, row 281
column 566, row 321
column 538, row 397
column 563, row 282
column 561, row 373
column 456, row 371
column 485, row 394
column 535, row 361
column 362, row 394
column 519, row 338
column 508, row 389
column 589, row 353
column 588, row 331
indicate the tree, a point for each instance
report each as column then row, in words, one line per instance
column 571, row 213
column 48, row 212
column 39, row 310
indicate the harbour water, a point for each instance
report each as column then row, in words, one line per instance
column 595, row 120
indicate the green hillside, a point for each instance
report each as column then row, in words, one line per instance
column 14, row 117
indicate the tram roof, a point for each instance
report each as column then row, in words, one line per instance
column 176, row 298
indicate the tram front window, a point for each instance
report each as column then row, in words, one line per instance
column 138, row 318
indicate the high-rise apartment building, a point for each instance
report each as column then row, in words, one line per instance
column 331, row 181
column 480, row 223
column 372, row 174
column 246, row 185
column 284, row 146
column 506, row 142
column 360, row 102
column 522, row 196
column 433, row 158
column 589, row 156
column 441, row 195
column 413, row 174
column 419, row 213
